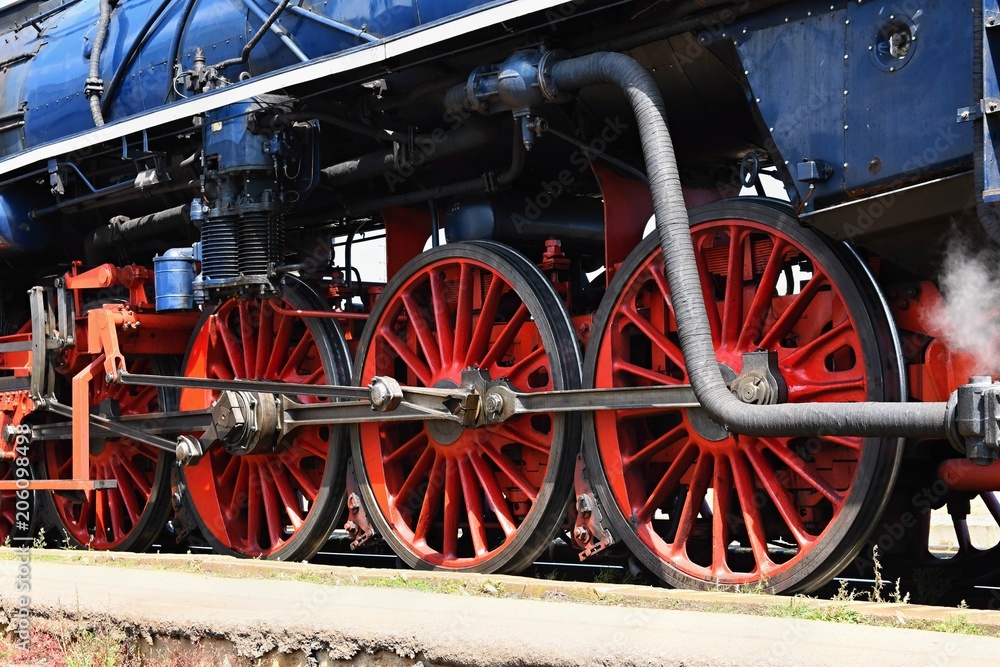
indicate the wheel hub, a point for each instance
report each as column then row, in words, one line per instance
column 246, row 422
column 441, row 431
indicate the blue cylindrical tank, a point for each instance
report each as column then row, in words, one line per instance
column 43, row 70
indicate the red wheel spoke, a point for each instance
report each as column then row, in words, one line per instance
column 751, row 513
column 432, row 500
column 708, row 292
column 692, row 502
column 125, row 491
column 137, row 478
column 518, row 432
column 844, row 441
column 265, row 336
column 407, row 448
column 645, row 374
column 672, row 351
column 244, row 490
column 803, row 469
column 819, row 349
column 416, row 476
column 249, row 339
column 424, row 336
column 254, row 502
column 442, row 318
column 852, row 389
column 778, row 495
column 793, row 313
column 279, row 350
column 484, row 325
column 418, row 367
column 722, row 488
column 463, row 312
column 732, row 309
column 668, row 483
column 506, row 337
column 474, row 508
column 493, row 492
column 519, row 373
column 288, row 499
column 233, row 353
column 753, row 326
column 508, row 468
column 116, row 512
column 452, row 502
column 656, row 446
column 305, row 485
column 296, row 357
column 272, row 511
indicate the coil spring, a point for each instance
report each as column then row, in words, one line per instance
column 219, row 251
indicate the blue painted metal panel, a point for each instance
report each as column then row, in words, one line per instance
column 795, row 73
column 901, row 110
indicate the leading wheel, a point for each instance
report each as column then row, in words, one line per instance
column 702, row 508
column 478, row 499
column 131, row 515
column 281, row 504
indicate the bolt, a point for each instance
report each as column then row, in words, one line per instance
column 494, row 405
column 351, row 528
column 353, row 503
column 109, row 378
column 581, row 534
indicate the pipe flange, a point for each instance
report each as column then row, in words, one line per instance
column 546, row 83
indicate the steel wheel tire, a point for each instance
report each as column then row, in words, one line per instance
column 244, row 505
column 131, row 516
column 425, row 330
column 770, row 538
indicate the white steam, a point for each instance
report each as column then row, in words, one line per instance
column 969, row 316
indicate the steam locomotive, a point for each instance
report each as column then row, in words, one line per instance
column 584, row 330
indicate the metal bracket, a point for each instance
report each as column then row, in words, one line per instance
column 977, row 418
column 589, row 534
column 357, row 525
column 968, row 114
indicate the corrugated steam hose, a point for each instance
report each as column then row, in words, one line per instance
column 672, row 225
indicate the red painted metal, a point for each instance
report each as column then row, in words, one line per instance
column 255, row 504
column 628, row 206
column 104, row 518
column 44, row 485
column 456, row 503
column 322, row 314
column 966, row 475
column 652, row 456
column 406, row 233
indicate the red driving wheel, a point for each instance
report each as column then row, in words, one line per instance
column 704, row 508
column 281, row 504
column 481, row 499
column 129, row 516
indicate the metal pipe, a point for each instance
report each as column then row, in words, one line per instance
column 681, row 268
column 116, row 81
column 966, row 475
column 486, row 183
column 429, row 148
column 94, row 86
column 259, row 35
column 330, row 23
column 280, row 33
column 131, row 229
